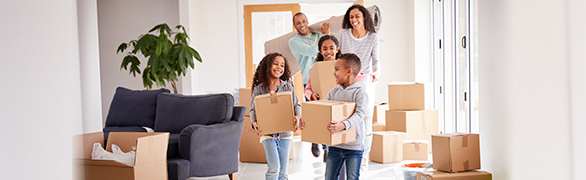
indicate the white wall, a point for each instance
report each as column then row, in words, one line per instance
column 122, row 21
column 40, row 91
column 524, row 93
column 89, row 57
column 394, row 39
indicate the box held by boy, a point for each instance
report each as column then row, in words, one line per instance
column 406, row 96
column 456, row 152
column 274, row 112
column 415, row 150
column 318, row 115
column 322, row 80
column 468, row 175
column 150, row 161
column 387, row 146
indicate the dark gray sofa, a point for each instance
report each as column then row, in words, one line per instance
column 204, row 129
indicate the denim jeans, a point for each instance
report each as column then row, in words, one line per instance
column 277, row 152
column 337, row 157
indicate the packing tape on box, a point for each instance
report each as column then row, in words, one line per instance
column 345, row 109
column 464, row 140
column 416, row 144
column 466, row 165
column 274, row 99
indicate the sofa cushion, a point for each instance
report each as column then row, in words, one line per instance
column 133, row 107
column 178, row 169
column 176, row 111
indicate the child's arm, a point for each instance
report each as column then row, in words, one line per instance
column 296, row 110
column 255, row 92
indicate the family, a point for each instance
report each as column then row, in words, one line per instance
column 356, row 71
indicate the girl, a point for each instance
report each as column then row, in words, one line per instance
column 329, row 50
column 359, row 36
column 273, row 75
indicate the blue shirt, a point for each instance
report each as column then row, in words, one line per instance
column 305, row 50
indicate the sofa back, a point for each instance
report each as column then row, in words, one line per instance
column 133, row 107
column 176, row 111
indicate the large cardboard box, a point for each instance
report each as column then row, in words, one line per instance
column 298, row 87
column 251, row 150
column 406, row 96
column 419, row 125
column 150, row 162
column 380, row 110
column 376, row 127
column 468, row 175
column 415, row 150
column 322, row 77
column 318, row 114
column 244, row 98
column 387, row 147
column 274, row 112
column 456, row 152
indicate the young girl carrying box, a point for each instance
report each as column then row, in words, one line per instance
column 273, row 75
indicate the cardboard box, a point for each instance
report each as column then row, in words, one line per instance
column 456, row 152
column 298, row 87
column 415, row 150
column 387, row 147
column 322, row 77
column 468, row 175
column 376, row 127
column 251, row 150
column 245, row 98
column 150, row 161
column 380, row 109
column 419, row 125
column 318, row 114
column 406, row 96
column 274, row 112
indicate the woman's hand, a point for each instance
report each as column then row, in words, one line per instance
column 374, row 76
column 314, row 96
column 258, row 132
column 335, row 127
column 325, row 28
column 296, row 122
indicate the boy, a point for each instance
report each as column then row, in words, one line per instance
column 346, row 69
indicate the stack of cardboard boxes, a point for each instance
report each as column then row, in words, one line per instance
column 455, row 156
column 406, row 114
column 378, row 118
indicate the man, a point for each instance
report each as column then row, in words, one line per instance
column 304, row 47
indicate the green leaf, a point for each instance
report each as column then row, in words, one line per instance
column 121, row 48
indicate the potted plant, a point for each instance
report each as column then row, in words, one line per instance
column 168, row 56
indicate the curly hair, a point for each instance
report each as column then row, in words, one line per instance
column 321, row 42
column 368, row 22
column 261, row 76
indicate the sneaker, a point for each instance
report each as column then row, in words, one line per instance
column 325, row 155
column 314, row 149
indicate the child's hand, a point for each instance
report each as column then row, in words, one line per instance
column 336, row 127
column 325, row 28
column 258, row 132
column 315, row 96
column 301, row 124
column 296, row 122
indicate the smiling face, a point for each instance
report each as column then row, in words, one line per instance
column 356, row 18
column 301, row 25
column 277, row 67
column 341, row 73
column 329, row 50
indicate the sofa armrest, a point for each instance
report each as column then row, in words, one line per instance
column 213, row 149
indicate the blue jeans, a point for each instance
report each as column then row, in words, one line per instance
column 277, row 151
column 337, row 157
